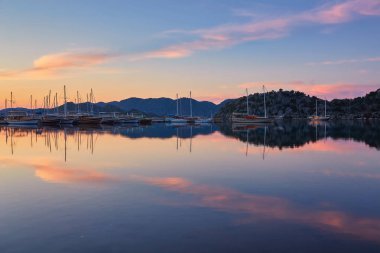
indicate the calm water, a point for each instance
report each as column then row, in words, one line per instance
column 279, row 188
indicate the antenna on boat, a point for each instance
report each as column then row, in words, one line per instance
column 246, row 91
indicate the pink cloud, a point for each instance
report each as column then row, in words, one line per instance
column 223, row 36
column 216, row 98
column 49, row 66
column 328, row 90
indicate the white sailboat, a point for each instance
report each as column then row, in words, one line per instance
column 247, row 118
column 177, row 119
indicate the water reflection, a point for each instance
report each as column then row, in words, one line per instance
column 298, row 133
column 282, row 136
column 316, row 181
column 266, row 207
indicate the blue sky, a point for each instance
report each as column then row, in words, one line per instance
column 214, row 48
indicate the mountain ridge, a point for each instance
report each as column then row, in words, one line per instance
column 290, row 104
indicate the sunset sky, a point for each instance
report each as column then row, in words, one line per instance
column 216, row 48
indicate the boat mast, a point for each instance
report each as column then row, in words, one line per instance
column 316, row 107
column 265, row 105
column 191, row 107
column 31, row 103
column 325, row 108
column 78, row 102
column 11, row 100
column 92, row 103
column 65, row 101
column 56, row 102
column 177, row 104
column 49, row 100
column 246, row 91
column 87, row 103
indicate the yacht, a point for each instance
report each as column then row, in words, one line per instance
column 316, row 117
column 247, row 118
column 20, row 118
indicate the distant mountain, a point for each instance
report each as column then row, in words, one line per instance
column 166, row 106
column 294, row 104
column 289, row 104
column 148, row 106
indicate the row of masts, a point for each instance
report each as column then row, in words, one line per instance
column 47, row 105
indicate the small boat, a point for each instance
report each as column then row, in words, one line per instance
column 109, row 118
column 158, row 120
column 246, row 118
column 316, row 117
column 66, row 121
column 3, row 121
column 20, row 118
column 177, row 119
column 129, row 121
column 89, row 120
column 203, row 120
column 145, row 121
column 50, row 120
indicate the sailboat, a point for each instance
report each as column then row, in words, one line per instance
column 50, row 119
column 89, row 119
column 20, row 118
column 65, row 120
column 319, row 118
column 177, row 119
column 247, row 118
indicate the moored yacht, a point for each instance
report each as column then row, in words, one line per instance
column 247, row 118
column 20, row 118
column 316, row 117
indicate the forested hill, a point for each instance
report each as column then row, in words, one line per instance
column 295, row 104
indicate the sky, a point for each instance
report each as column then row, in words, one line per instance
column 215, row 48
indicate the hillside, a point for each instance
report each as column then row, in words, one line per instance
column 294, row 104
column 149, row 106
column 167, row 106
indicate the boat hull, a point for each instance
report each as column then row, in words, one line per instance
column 89, row 120
column 31, row 122
column 66, row 122
column 319, row 118
column 251, row 121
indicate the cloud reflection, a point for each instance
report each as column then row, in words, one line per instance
column 265, row 207
column 56, row 174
